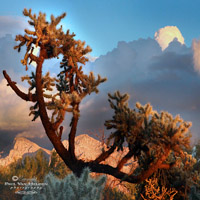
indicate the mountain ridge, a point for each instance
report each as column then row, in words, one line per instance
column 21, row 146
column 86, row 148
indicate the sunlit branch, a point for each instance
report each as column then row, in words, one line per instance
column 105, row 155
column 124, row 160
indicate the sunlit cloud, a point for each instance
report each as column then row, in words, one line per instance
column 196, row 54
column 91, row 58
column 163, row 78
column 35, row 52
column 167, row 34
column 14, row 111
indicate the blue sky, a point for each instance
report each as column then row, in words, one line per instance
column 103, row 23
column 121, row 34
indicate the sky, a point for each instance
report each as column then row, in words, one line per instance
column 149, row 49
column 103, row 23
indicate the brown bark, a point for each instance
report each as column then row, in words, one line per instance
column 105, row 155
column 155, row 166
column 124, row 160
column 72, row 135
column 58, row 145
column 59, row 121
column 68, row 156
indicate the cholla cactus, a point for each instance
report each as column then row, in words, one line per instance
column 71, row 188
column 63, row 93
column 150, row 136
column 71, row 80
column 154, row 192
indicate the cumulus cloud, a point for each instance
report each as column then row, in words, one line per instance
column 86, row 104
column 90, row 57
column 196, row 54
column 167, row 79
column 14, row 111
column 15, row 120
column 10, row 58
column 167, row 34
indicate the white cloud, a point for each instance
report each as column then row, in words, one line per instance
column 163, row 78
column 196, row 54
column 35, row 52
column 87, row 104
column 166, row 79
column 91, row 58
column 167, row 34
column 14, row 111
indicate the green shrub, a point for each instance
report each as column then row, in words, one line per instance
column 70, row 188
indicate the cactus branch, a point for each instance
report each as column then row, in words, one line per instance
column 72, row 135
column 105, row 154
column 150, row 136
column 123, row 161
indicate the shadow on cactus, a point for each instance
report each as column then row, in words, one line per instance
column 70, row 188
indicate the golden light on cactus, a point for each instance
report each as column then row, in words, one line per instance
column 150, row 136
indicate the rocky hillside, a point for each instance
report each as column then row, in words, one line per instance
column 87, row 148
column 21, row 148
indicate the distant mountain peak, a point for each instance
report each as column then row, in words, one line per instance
column 21, row 146
column 88, row 148
column 23, row 140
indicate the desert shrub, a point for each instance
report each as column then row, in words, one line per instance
column 70, row 188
